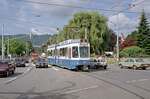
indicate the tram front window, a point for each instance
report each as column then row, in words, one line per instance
column 84, row 52
column 75, row 52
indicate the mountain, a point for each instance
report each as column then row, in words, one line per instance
column 37, row 40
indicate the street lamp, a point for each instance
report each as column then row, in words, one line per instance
column 117, row 45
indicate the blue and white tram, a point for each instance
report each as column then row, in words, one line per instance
column 71, row 54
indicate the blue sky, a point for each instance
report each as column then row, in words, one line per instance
column 20, row 16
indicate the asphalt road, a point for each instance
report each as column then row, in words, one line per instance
column 58, row 83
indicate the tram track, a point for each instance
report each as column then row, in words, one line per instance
column 93, row 75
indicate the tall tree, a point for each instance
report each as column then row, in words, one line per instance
column 29, row 47
column 143, row 31
column 112, row 41
column 96, row 26
column 17, row 47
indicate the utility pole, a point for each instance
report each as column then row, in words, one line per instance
column 8, row 47
column 3, row 42
column 85, row 33
column 118, row 39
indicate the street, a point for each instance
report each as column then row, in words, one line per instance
column 58, row 83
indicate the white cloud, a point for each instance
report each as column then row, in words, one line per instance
column 121, row 21
column 53, row 10
column 140, row 5
column 37, row 32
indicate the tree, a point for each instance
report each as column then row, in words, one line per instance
column 133, row 35
column 17, row 47
column 97, row 30
column 127, row 43
column 29, row 47
column 143, row 31
column 112, row 41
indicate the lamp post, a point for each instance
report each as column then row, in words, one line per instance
column 117, row 43
column 3, row 42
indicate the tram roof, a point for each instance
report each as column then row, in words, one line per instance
column 76, row 41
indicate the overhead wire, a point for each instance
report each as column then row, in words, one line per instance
column 72, row 6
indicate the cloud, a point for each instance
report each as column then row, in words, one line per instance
column 54, row 10
column 37, row 32
column 140, row 5
column 122, row 22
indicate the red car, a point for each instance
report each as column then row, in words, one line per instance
column 7, row 68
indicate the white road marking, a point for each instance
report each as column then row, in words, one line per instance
column 133, row 81
column 78, row 90
column 55, row 68
column 143, row 79
column 28, row 70
column 14, row 78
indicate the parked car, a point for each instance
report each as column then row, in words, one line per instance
column 136, row 63
column 41, row 63
column 20, row 62
column 6, row 68
column 98, row 63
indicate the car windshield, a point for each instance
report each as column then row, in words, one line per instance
column 84, row 52
column 3, row 63
column 139, row 60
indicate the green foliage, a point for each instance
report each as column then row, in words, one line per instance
column 37, row 40
column 29, row 47
column 143, row 31
column 97, row 31
column 133, row 51
column 17, row 47
column 111, row 62
column 133, row 35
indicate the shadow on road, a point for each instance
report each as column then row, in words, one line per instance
column 11, row 76
column 50, row 94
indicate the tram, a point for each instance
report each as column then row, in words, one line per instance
column 71, row 54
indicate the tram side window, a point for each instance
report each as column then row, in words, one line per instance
column 49, row 53
column 63, row 52
column 75, row 52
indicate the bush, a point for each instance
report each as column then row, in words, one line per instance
column 111, row 62
column 133, row 51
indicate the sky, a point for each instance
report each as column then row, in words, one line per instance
column 45, row 16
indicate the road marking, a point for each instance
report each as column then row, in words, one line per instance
column 28, row 70
column 55, row 68
column 133, row 81
column 12, row 79
column 143, row 79
column 78, row 90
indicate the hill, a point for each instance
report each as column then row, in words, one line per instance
column 37, row 40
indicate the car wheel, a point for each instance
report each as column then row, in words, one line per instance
column 144, row 68
column 13, row 72
column 121, row 66
column 105, row 67
column 134, row 68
